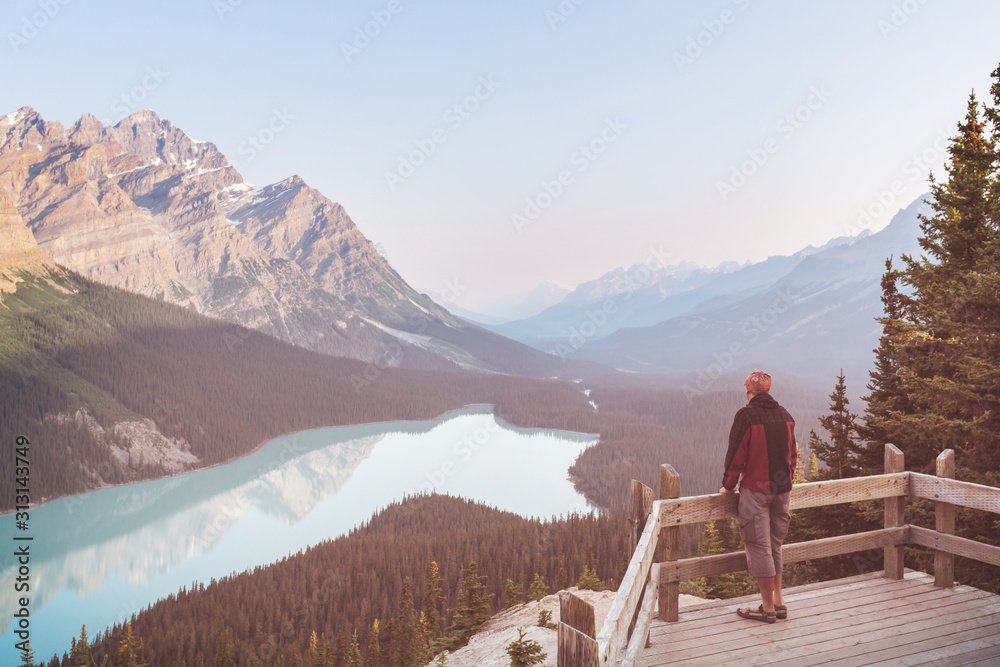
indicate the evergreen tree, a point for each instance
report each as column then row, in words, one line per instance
column 128, row 649
column 842, row 452
column 538, row 588
column 404, row 637
column 512, row 594
column 589, row 579
column 354, row 652
column 28, row 656
column 424, row 652
column 324, row 651
column 885, row 400
column 433, row 600
column 339, row 651
column 373, row 656
column 812, row 472
column 524, row 653
column 545, row 619
column 714, row 541
column 141, row 654
column 799, row 477
column 561, row 580
column 224, row 651
column 472, row 609
column 79, row 654
column 950, row 342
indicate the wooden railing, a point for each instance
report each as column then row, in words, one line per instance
column 655, row 571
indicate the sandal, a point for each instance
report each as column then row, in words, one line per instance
column 758, row 614
column 781, row 611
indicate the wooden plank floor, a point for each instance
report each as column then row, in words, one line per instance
column 865, row 620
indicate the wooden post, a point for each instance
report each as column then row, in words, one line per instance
column 894, row 507
column 577, row 643
column 944, row 522
column 640, row 507
column 669, row 592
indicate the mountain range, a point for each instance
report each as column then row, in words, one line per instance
column 144, row 207
column 809, row 314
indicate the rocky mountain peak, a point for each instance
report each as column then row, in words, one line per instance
column 144, row 135
column 87, row 130
column 25, row 128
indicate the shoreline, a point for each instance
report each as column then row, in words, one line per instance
column 464, row 408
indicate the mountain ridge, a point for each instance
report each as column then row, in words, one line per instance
column 142, row 206
column 815, row 318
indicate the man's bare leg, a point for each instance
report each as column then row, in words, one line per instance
column 776, row 595
column 767, row 588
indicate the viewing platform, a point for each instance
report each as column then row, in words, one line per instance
column 863, row 620
column 890, row 617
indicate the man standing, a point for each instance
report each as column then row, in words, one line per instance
column 762, row 457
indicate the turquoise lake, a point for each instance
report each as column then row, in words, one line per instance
column 99, row 557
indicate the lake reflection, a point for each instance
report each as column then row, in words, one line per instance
column 99, row 557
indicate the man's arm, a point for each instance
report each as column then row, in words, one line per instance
column 736, row 455
column 793, row 453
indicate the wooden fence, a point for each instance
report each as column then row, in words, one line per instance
column 655, row 571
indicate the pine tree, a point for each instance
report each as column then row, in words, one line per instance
column 141, row 653
column 842, row 452
column 472, row 609
column 424, row 652
column 949, row 347
column 524, row 653
column 433, row 600
column 339, row 651
column 129, row 649
column 589, row 579
column 799, row 476
column 538, row 588
column 812, row 472
column 224, row 651
column 885, row 400
column 731, row 584
column 79, row 654
column 28, row 656
column 354, row 652
column 512, row 594
column 373, row 656
column 404, row 638
column 324, row 651
column 561, row 581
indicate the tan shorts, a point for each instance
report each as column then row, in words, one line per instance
column 763, row 525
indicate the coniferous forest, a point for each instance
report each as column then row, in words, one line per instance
column 384, row 572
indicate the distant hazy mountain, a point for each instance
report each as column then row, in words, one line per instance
column 631, row 290
column 508, row 308
column 144, row 207
column 809, row 314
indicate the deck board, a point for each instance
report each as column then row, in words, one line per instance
column 856, row 621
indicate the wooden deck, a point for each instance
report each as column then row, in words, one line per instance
column 861, row 620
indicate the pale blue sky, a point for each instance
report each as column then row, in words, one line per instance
column 671, row 133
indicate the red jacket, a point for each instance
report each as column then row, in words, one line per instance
column 762, row 453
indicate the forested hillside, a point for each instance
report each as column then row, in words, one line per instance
column 344, row 585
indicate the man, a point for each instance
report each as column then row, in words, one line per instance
column 761, row 458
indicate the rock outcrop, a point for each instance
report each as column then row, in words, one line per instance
column 19, row 253
column 487, row 648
